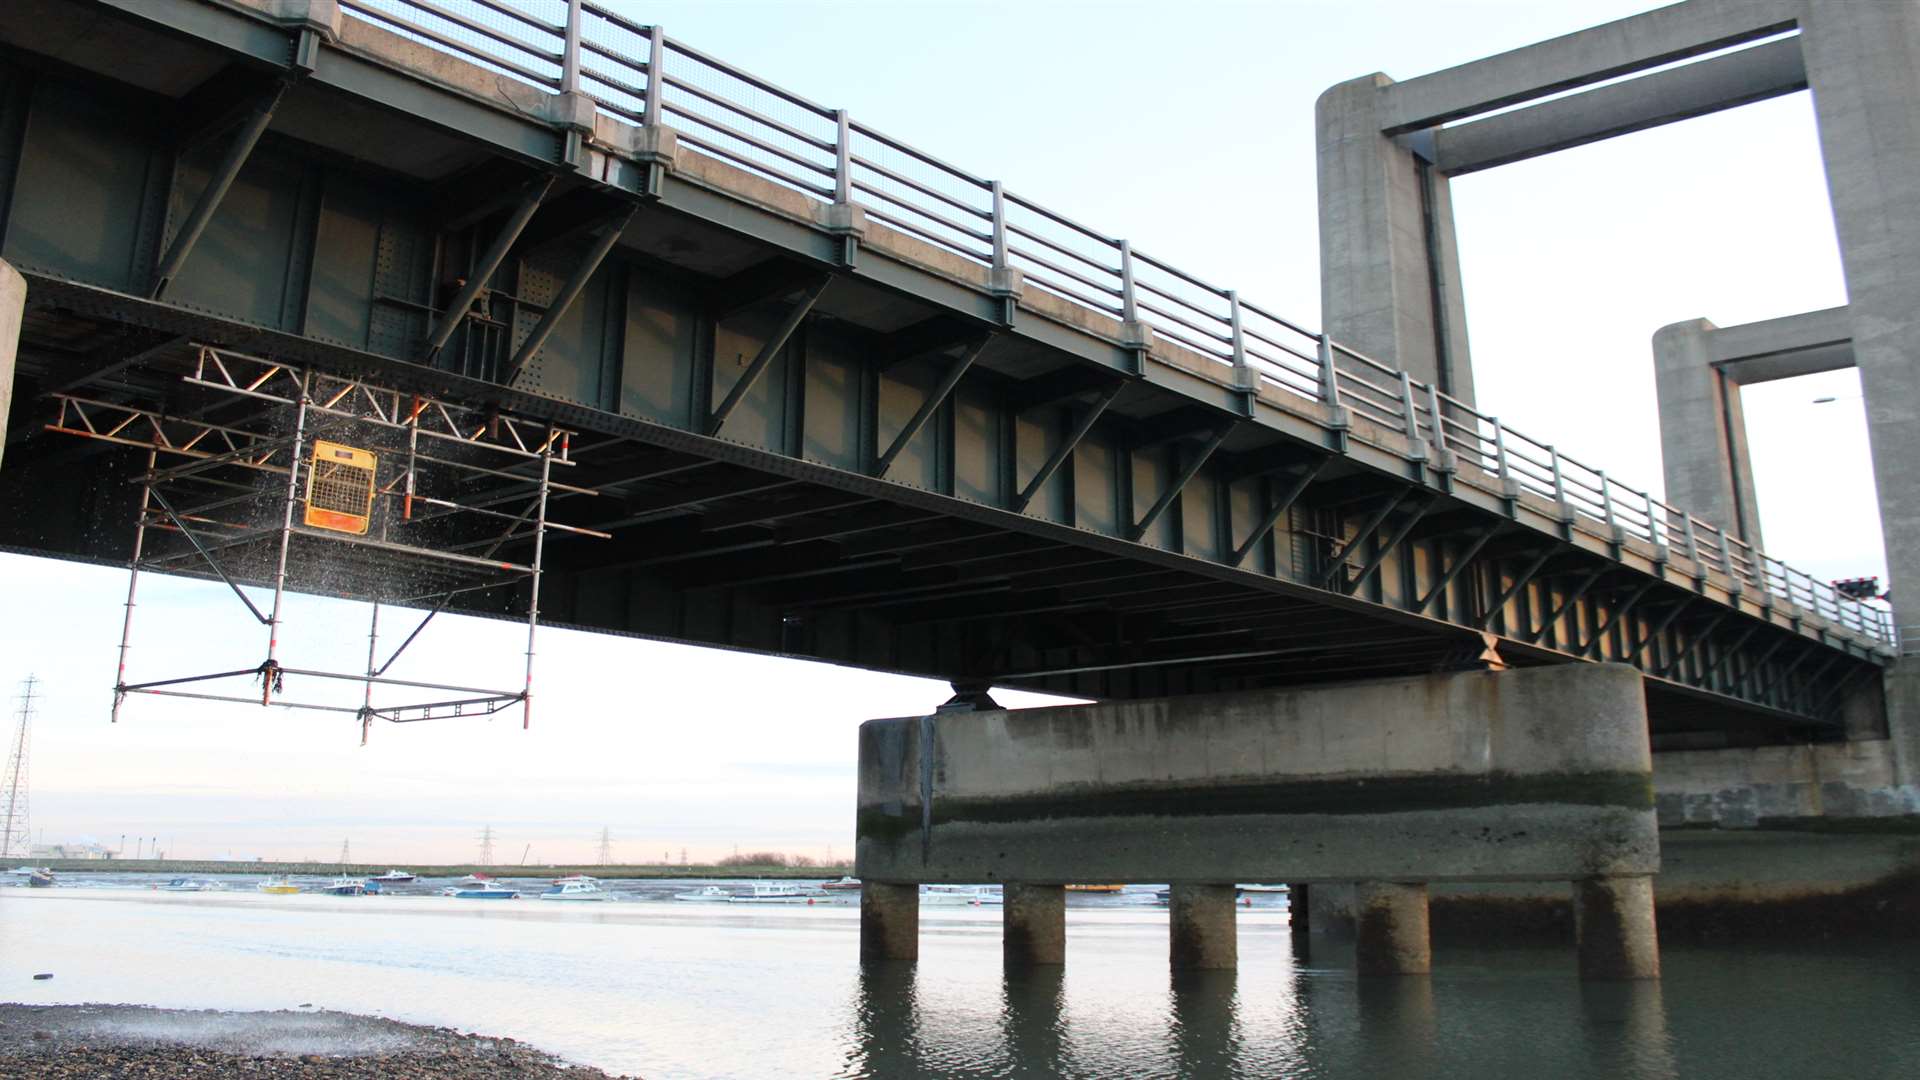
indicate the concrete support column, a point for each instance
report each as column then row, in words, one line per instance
column 1034, row 925
column 1703, row 434
column 1613, row 924
column 13, row 303
column 1389, row 264
column 1863, row 66
column 1202, row 931
column 889, row 921
column 1392, row 932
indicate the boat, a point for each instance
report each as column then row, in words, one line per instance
column 40, row 879
column 1095, row 888
column 711, row 894
column 484, row 890
column 845, row 884
column 279, row 885
column 1262, row 888
column 577, row 887
column 771, row 892
column 474, row 881
column 346, row 886
column 28, row 871
column 392, row 877
column 181, row 884
column 961, row 896
column 575, row 877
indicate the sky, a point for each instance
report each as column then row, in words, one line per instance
column 1186, row 128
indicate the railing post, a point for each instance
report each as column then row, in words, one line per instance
column 1406, row 406
column 1559, row 476
column 1129, row 308
column 842, row 159
column 1693, row 544
column 1606, row 501
column 1233, row 320
column 1329, row 375
column 656, row 74
column 570, row 55
column 1499, row 447
column 1726, row 556
column 999, row 226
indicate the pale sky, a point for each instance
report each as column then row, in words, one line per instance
column 1186, row 128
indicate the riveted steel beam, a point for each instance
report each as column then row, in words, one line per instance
column 456, row 312
column 1081, row 425
column 768, row 350
column 219, row 182
column 1277, row 510
column 1394, row 540
column 934, row 399
column 569, row 292
column 1180, row 482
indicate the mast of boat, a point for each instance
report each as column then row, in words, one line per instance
column 14, row 831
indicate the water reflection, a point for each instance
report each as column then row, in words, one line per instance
column 1626, row 1029
column 1203, row 1028
column 886, row 1022
column 1033, row 1020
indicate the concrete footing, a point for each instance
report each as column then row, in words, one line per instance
column 1613, row 926
column 1391, row 929
column 1034, row 925
column 889, row 922
column 1202, row 933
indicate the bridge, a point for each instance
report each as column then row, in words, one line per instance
column 687, row 355
column 835, row 398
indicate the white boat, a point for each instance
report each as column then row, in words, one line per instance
column 346, row 886
column 1263, row 888
column 28, row 871
column 475, row 881
column 485, row 890
column 392, row 877
column 181, row 884
column 578, row 887
column 711, row 894
column 961, row 896
column 845, row 884
column 772, row 892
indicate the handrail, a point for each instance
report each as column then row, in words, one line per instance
column 772, row 131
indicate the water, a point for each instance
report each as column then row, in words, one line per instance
column 670, row 990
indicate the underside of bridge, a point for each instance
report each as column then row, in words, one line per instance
column 826, row 444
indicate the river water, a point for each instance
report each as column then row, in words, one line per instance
column 666, row 990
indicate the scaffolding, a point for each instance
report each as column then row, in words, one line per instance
column 289, row 479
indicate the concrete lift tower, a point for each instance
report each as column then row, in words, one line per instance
column 1390, row 268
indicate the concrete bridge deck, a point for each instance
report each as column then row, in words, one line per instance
column 822, row 421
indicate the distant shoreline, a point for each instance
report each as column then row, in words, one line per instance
column 639, row 871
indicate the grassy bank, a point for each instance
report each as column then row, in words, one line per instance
column 186, row 867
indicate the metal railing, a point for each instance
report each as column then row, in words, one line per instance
column 636, row 72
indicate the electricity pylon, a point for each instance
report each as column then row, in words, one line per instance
column 16, row 840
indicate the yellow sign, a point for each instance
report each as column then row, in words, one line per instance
column 340, row 488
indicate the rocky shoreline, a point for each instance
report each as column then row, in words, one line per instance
column 112, row 1041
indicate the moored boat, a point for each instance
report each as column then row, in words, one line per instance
column 961, row 896
column 181, row 884
column 29, row 871
column 346, row 886
column 1095, row 888
column 771, row 892
column 484, row 890
column 278, row 885
column 392, row 877
column 845, row 884
column 711, row 894
column 576, row 887
column 40, row 879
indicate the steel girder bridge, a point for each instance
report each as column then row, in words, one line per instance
column 831, row 397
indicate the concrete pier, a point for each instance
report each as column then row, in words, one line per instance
column 889, row 922
column 1392, row 929
column 1613, row 925
column 1034, row 926
column 1537, row 774
column 1202, row 928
